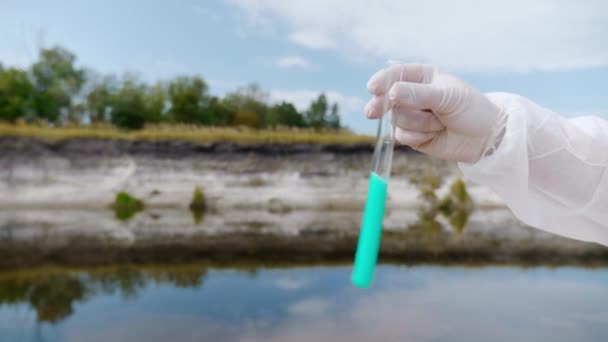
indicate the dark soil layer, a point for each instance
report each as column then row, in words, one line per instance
column 408, row 248
column 23, row 147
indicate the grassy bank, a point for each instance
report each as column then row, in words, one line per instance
column 200, row 134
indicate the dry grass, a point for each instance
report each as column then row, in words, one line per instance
column 202, row 134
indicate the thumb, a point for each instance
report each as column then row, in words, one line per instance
column 416, row 95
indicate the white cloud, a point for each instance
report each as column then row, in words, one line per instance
column 301, row 99
column 473, row 35
column 293, row 62
column 311, row 39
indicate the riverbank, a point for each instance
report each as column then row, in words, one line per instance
column 30, row 238
column 298, row 203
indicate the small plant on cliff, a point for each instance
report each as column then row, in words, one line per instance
column 198, row 204
column 457, row 205
column 457, row 199
column 126, row 206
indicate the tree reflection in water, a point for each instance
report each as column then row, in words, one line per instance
column 53, row 293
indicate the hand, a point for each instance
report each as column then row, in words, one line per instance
column 436, row 113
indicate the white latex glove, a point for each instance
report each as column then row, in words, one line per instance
column 436, row 113
column 552, row 172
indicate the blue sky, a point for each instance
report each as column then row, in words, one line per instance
column 553, row 52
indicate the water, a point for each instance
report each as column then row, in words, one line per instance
column 197, row 303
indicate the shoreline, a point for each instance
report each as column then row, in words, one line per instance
column 247, row 265
column 244, row 248
column 174, row 236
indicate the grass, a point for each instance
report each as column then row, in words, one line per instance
column 201, row 134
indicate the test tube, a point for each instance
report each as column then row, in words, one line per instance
column 368, row 246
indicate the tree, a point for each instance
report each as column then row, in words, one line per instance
column 15, row 95
column 316, row 116
column 286, row 114
column 247, row 101
column 128, row 109
column 221, row 114
column 247, row 118
column 188, row 96
column 55, row 89
column 98, row 102
column 56, row 81
column 155, row 98
column 320, row 115
column 333, row 120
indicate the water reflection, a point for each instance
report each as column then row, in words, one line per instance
column 456, row 206
column 303, row 304
column 197, row 216
column 53, row 294
column 86, row 237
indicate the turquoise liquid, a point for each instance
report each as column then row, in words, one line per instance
column 368, row 247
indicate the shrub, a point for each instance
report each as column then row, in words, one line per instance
column 198, row 205
column 126, row 206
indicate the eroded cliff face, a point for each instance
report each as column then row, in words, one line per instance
column 299, row 202
column 88, row 173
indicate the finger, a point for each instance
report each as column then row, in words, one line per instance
column 376, row 107
column 416, row 120
column 413, row 138
column 416, row 95
column 381, row 81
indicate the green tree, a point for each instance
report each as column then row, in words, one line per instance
column 128, row 107
column 98, row 102
column 333, row 120
column 221, row 114
column 155, row 98
column 247, row 118
column 188, row 97
column 247, row 102
column 55, row 89
column 57, row 81
column 54, row 297
column 286, row 114
column 316, row 115
column 15, row 95
column 321, row 115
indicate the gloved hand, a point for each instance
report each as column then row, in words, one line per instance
column 436, row 113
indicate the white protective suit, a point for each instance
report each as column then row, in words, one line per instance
column 550, row 171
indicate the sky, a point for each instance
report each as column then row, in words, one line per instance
column 547, row 50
